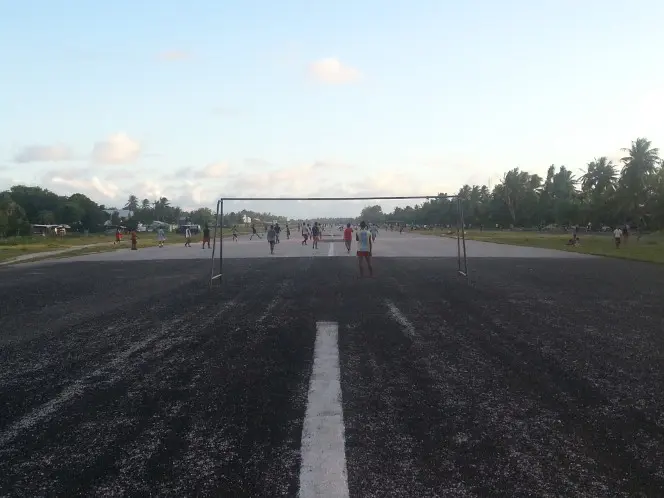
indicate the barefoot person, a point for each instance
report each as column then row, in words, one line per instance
column 315, row 231
column 161, row 237
column 206, row 236
column 364, row 248
column 271, row 238
column 348, row 237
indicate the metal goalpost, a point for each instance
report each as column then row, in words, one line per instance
column 462, row 260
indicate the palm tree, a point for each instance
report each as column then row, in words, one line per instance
column 638, row 167
column 132, row 203
column 600, row 177
column 146, row 204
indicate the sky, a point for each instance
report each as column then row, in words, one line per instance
column 204, row 99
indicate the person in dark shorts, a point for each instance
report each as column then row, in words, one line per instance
column 305, row 234
column 206, row 236
column 234, row 233
column 315, row 232
column 271, row 238
column 617, row 236
column 277, row 230
column 254, row 232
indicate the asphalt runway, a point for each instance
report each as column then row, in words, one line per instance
column 124, row 374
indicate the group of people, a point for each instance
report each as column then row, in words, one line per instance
column 365, row 238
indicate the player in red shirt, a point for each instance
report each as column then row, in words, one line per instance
column 348, row 236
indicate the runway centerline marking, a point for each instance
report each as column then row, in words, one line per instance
column 323, row 469
column 330, row 251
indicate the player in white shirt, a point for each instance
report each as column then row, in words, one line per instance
column 364, row 248
column 374, row 232
column 305, row 234
column 161, row 237
column 617, row 236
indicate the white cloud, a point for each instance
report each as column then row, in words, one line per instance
column 120, row 174
column 332, row 71
column 316, row 179
column 214, row 170
column 91, row 187
column 44, row 153
column 117, row 149
column 210, row 171
column 254, row 162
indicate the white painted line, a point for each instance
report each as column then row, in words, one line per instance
column 330, row 252
column 269, row 308
column 323, row 469
column 401, row 319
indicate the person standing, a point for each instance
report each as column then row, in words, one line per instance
column 161, row 237
column 348, row 237
column 271, row 238
column 277, row 230
column 134, row 241
column 315, row 232
column 206, row 236
column 187, row 237
column 364, row 248
column 617, row 236
column 374, row 231
column 234, row 233
column 305, row 234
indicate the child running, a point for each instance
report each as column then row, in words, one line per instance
column 348, row 237
column 254, row 232
column 364, row 248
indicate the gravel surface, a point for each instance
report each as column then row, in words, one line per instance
column 543, row 378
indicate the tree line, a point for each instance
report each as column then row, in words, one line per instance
column 605, row 194
column 22, row 206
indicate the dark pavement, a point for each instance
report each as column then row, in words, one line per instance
column 543, row 378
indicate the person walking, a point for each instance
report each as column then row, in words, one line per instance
column 271, row 237
column 364, row 248
column 206, row 236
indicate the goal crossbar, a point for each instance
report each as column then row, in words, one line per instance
column 462, row 260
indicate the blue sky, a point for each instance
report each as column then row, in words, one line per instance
column 193, row 100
